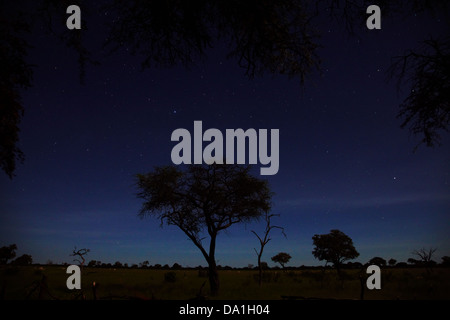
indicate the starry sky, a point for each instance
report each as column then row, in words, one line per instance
column 345, row 163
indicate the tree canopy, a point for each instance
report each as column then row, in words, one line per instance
column 263, row 36
column 23, row 260
column 282, row 258
column 15, row 75
column 378, row 261
column 202, row 201
column 426, row 109
column 7, row 253
column 335, row 247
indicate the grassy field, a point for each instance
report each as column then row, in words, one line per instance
column 411, row 283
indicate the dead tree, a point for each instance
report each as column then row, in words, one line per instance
column 426, row 257
column 264, row 241
column 81, row 253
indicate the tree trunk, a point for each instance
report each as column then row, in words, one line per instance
column 337, row 265
column 212, row 268
column 213, row 278
column 260, row 270
column 361, row 282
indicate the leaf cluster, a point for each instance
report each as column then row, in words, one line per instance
column 203, row 198
column 335, row 247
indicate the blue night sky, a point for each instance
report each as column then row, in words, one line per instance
column 345, row 163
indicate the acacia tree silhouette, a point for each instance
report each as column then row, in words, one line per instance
column 202, row 201
column 335, row 247
column 282, row 258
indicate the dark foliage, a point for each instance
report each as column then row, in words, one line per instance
column 263, row 35
column 282, row 258
column 170, row 276
column 202, row 201
column 426, row 109
column 7, row 253
column 378, row 261
column 15, row 75
column 23, row 260
column 335, row 247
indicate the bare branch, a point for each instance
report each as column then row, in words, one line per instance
column 426, row 72
column 424, row 254
column 81, row 253
column 265, row 240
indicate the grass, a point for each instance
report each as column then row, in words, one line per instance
column 410, row 283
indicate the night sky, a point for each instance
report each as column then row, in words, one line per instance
column 345, row 163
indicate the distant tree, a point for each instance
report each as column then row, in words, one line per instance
column 144, row 264
column 264, row 240
column 414, row 262
column 392, row 262
column 176, row 266
column 378, row 261
column 80, row 253
column 117, row 264
column 282, row 258
column 354, row 265
column 203, row 201
column 445, row 261
column 401, row 265
column 335, row 247
column 7, row 253
column 264, row 265
column 23, row 260
column 426, row 256
column 92, row 263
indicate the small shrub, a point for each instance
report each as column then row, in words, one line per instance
column 170, row 276
column 267, row 277
column 291, row 274
column 38, row 272
column 313, row 275
column 11, row 271
column 346, row 276
column 203, row 273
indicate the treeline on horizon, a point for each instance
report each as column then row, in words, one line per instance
column 8, row 253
